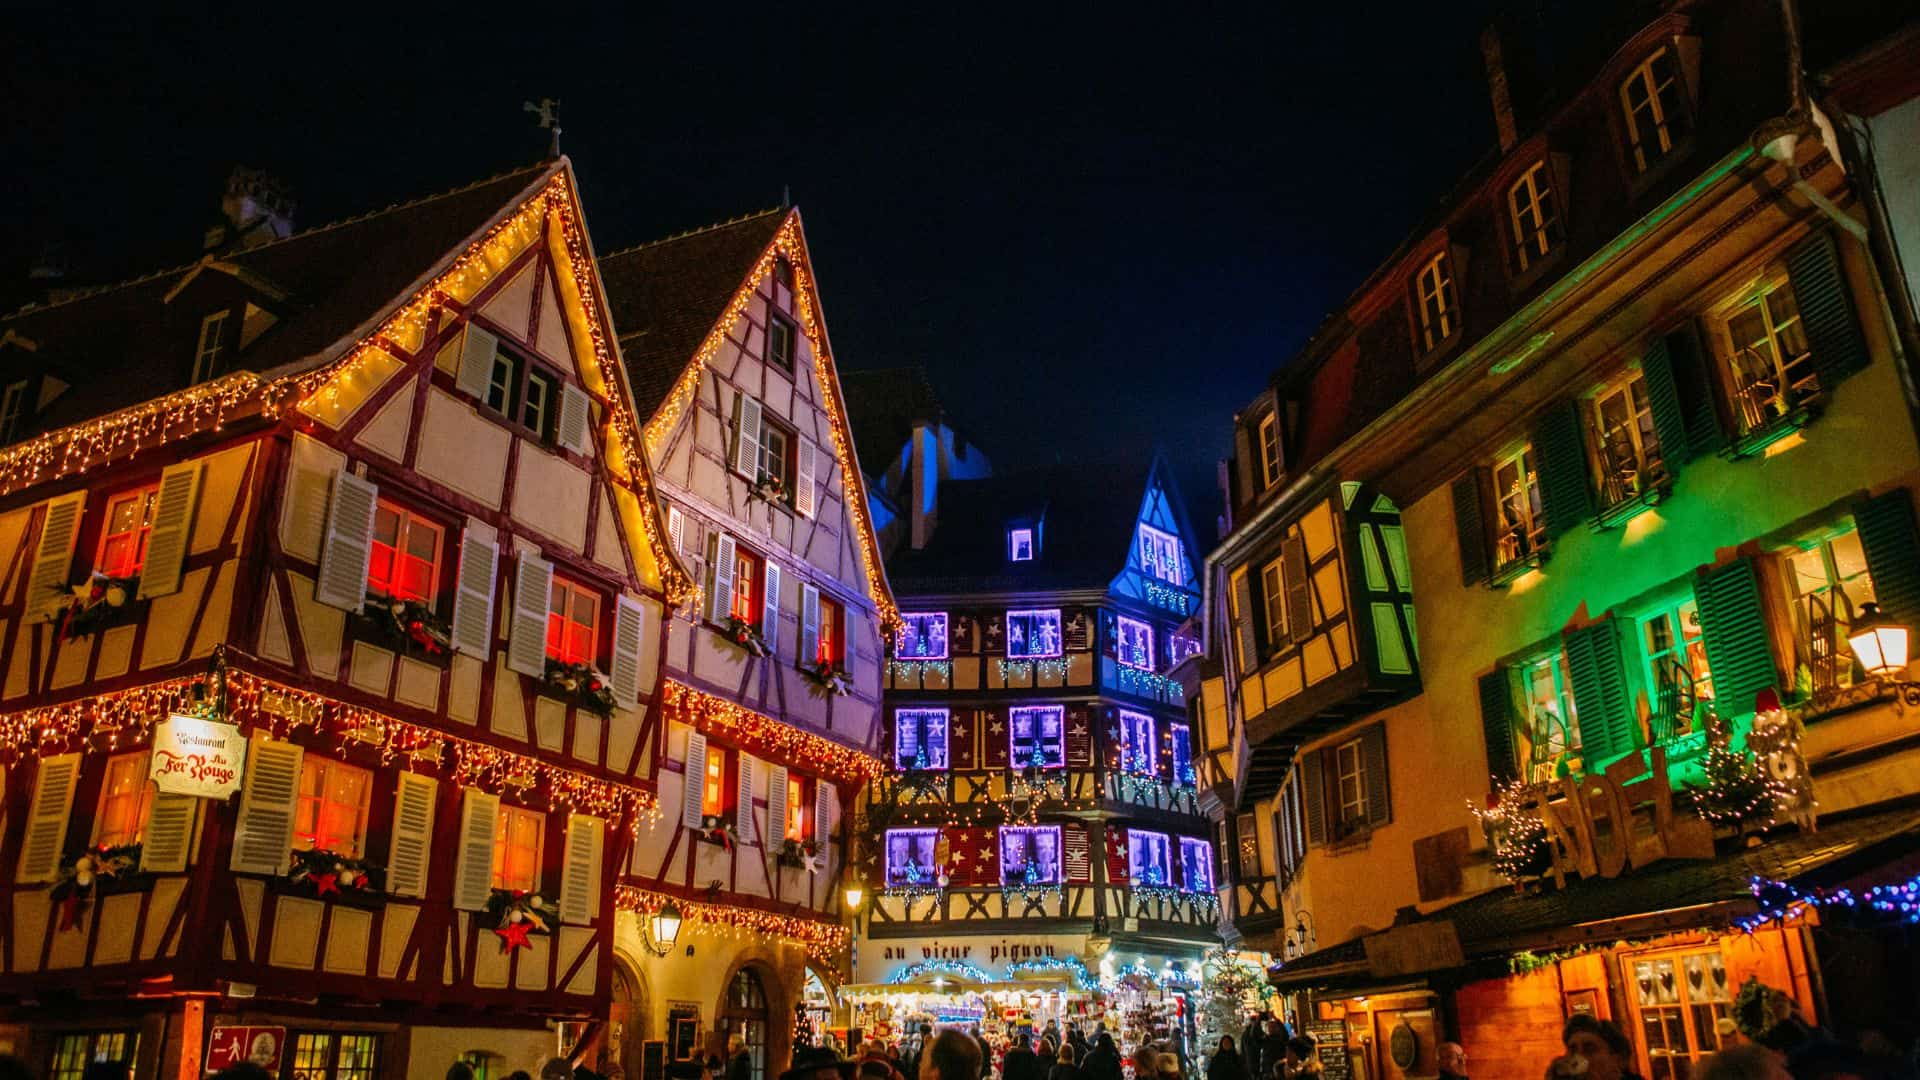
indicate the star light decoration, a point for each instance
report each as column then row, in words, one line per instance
column 823, row 940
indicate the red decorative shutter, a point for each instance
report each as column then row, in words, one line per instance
column 964, row 728
column 995, row 736
column 1079, row 737
column 1117, row 872
column 1076, row 854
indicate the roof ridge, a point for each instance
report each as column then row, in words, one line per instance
column 714, row 227
column 408, row 204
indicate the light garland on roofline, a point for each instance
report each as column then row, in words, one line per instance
column 823, row 940
column 753, row 731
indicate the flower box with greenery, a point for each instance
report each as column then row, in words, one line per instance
column 746, row 635
column 409, row 627
column 800, row 855
column 98, row 603
column 719, row 829
column 330, row 875
column 769, row 488
column 517, row 913
column 829, row 677
column 93, row 872
column 577, row 684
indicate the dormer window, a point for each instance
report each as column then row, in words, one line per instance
column 1437, row 303
column 210, row 352
column 13, row 408
column 1652, row 108
column 1531, row 213
column 1020, row 545
column 1160, row 555
column 780, row 343
column 1269, row 450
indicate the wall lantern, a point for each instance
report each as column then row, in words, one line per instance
column 1879, row 643
column 663, row 929
column 854, row 894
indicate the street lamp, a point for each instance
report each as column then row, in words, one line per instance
column 855, row 894
column 663, row 929
column 1878, row 642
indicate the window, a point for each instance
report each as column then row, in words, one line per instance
column 328, row 1055
column 922, row 636
column 126, row 798
column 537, row 411
column 13, row 406
column 1829, row 581
column 517, row 841
column 573, row 621
column 1020, row 545
column 405, row 559
column 1182, row 738
column 1182, row 645
column 74, row 1051
column 1135, row 643
column 1650, row 102
column 1139, row 752
column 1438, row 307
column 910, row 856
column 1547, row 716
column 833, row 624
column 1160, row 555
column 780, row 343
column 799, row 823
column 1033, row 634
column 331, row 813
column 1196, row 865
column 1769, row 361
column 716, row 795
column 503, row 383
column 1673, row 648
column 1147, row 858
column 777, row 458
column 1626, row 449
column 1289, row 827
column 1681, row 998
column 209, row 353
column 1247, row 853
column 920, row 738
column 1521, row 524
column 748, row 571
column 1269, row 450
column 1350, row 786
column 123, row 536
column 1030, row 856
column 1536, row 227
column 783, row 273
column 523, row 392
column 1037, row 736
column 1273, row 591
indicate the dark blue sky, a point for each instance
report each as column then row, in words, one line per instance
column 1097, row 231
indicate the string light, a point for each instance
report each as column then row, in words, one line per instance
column 1781, row 900
column 966, row 969
column 824, row 941
column 767, row 737
column 1516, row 831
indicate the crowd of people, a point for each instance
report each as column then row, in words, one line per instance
column 953, row 1053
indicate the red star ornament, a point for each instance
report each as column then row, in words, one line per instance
column 514, row 936
column 328, row 882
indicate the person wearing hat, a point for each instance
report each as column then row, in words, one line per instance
column 818, row 1063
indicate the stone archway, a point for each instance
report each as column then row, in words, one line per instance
column 627, row 1019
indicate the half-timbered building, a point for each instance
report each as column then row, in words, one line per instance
column 771, row 682
column 331, row 593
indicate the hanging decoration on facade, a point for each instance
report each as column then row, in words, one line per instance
column 1516, row 835
column 1149, row 684
column 98, row 603
column 83, row 874
column 1774, row 741
column 1781, row 901
column 829, row 677
column 720, row 829
column 409, row 626
column 517, row 913
column 196, row 754
column 916, row 670
column 579, row 685
column 329, row 873
column 768, row 488
column 965, row 969
column 1766, row 1015
column 800, row 855
column 824, row 941
column 1029, row 670
column 745, row 635
column 766, row 737
column 1083, row 979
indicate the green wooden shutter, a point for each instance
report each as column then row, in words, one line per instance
column 1738, row 650
column 1311, row 785
column 1826, row 307
column 1600, row 698
column 1693, row 380
column 1470, row 524
column 1560, row 454
column 1663, row 399
column 1892, row 543
column 1496, row 721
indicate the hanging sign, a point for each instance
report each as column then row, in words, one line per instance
column 196, row 756
column 231, row 1046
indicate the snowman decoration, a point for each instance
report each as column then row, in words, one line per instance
column 1775, row 743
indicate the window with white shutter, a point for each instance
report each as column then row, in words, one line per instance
column 348, row 542
column 473, row 871
column 168, row 840
column 47, row 817
column 580, row 876
column 172, row 530
column 677, row 530
column 720, row 578
column 532, row 594
column 477, row 348
column 413, row 806
column 746, row 436
column 776, row 806
column 770, row 613
column 806, row 489
column 809, row 624
column 743, row 800
column 53, row 555
column 694, row 778
column 576, row 419
column 629, row 631
column 472, row 626
column 263, row 830
column 822, row 811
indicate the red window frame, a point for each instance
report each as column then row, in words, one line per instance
column 719, row 786
column 800, row 823
column 749, row 576
column 395, row 571
column 324, row 820
column 122, row 551
column 570, row 639
column 832, row 647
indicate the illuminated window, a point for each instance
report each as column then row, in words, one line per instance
column 332, row 1055
column 748, row 570
column 1439, row 307
column 126, row 798
column 1139, row 749
column 1196, row 865
column 210, row 351
column 1033, row 634
column 1182, row 738
column 1147, row 858
column 1650, row 100
column 717, row 794
column 779, row 456
column 1037, row 736
column 922, row 636
column 331, row 814
column 1030, row 856
column 573, row 621
column 1682, row 999
column 123, row 536
column 1020, row 545
column 1521, row 525
column 1770, row 362
column 1550, row 727
column 1626, row 448
column 920, row 738
column 13, row 406
column 910, row 856
column 1160, row 555
column 1536, row 227
column 517, row 840
column 1829, row 582
column 1135, row 645
column 780, row 343
column 74, row 1051
column 1247, row 832
column 799, row 823
column 1673, row 650
column 833, row 623
column 405, row 559
column 1269, row 450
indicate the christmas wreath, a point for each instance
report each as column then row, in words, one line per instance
column 97, row 603
column 746, row 635
column 409, row 624
column 84, row 872
column 332, row 874
column 1766, row 1015
column 579, row 684
column 518, row 913
column 829, row 677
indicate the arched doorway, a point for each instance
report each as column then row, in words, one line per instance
column 745, row 1013
column 626, row 1020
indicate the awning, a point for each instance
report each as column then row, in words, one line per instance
column 1671, row 895
column 952, row 987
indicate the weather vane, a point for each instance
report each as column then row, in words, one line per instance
column 548, row 110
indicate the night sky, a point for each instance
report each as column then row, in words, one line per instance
column 1097, row 233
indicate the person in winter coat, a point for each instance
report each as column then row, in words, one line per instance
column 739, row 1061
column 1021, row 1063
column 1063, row 1066
column 1047, row 1053
column 1103, row 1063
column 1226, row 1063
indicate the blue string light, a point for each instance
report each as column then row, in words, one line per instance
column 1780, row 900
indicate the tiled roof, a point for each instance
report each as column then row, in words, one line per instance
column 883, row 405
column 664, row 297
column 124, row 344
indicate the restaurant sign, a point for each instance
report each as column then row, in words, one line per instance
column 196, row 756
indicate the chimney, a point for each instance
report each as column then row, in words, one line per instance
column 924, row 469
column 257, row 209
column 1497, row 88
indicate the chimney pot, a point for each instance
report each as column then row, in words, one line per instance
column 1491, row 50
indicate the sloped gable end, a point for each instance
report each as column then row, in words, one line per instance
column 1161, row 567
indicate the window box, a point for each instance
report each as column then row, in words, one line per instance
column 510, row 907
column 829, row 677
column 746, row 635
column 1629, row 503
column 577, row 685
column 318, row 874
column 770, row 489
column 94, row 872
column 408, row 627
column 1507, row 573
column 1772, row 430
column 99, row 603
column 719, row 829
column 799, row 855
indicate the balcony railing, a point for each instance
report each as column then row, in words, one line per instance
column 1678, row 701
column 1770, row 402
column 1631, row 479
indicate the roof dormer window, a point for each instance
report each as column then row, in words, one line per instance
column 1020, row 545
column 1436, row 302
column 13, row 408
column 210, row 352
column 1653, row 107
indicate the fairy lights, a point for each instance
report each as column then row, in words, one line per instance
column 824, row 941
column 1781, row 901
column 767, row 737
column 963, row 968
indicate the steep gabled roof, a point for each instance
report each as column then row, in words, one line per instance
column 666, row 295
column 120, row 345
column 883, row 405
